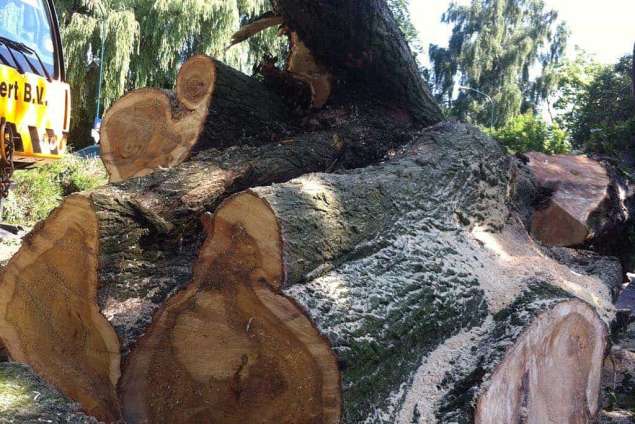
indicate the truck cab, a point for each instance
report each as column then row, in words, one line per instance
column 35, row 102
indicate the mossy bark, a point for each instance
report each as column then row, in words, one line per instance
column 382, row 261
column 375, row 258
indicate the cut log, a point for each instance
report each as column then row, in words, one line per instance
column 26, row 398
column 375, row 262
column 49, row 317
column 538, row 363
column 145, row 235
column 372, row 55
column 380, row 294
column 576, row 201
column 214, row 106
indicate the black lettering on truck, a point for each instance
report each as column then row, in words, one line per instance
column 27, row 92
column 39, row 92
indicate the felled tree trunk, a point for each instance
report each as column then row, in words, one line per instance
column 132, row 246
column 228, row 290
column 213, row 106
column 357, row 276
column 359, row 257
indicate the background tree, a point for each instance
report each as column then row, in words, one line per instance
column 530, row 133
column 401, row 9
column 595, row 104
column 497, row 46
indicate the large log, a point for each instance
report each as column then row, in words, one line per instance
column 384, row 270
column 213, row 106
column 372, row 56
column 577, row 202
column 145, row 235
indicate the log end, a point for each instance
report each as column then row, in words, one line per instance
column 579, row 188
column 195, row 82
column 247, row 213
column 141, row 133
column 230, row 348
column 49, row 318
column 554, row 226
column 552, row 373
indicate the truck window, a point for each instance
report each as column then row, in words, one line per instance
column 26, row 22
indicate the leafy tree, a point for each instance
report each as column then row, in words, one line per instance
column 401, row 10
column 495, row 47
column 529, row 132
column 597, row 106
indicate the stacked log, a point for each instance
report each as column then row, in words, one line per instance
column 357, row 277
column 213, row 106
column 346, row 267
column 576, row 199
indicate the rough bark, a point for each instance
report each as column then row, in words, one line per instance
column 379, row 262
column 26, row 398
column 372, row 56
column 214, row 106
column 145, row 235
column 369, row 295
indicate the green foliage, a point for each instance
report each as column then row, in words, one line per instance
column 494, row 46
column 596, row 104
column 38, row 191
column 401, row 10
column 529, row 132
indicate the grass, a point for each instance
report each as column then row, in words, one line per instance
column 38, row 191
column 13, row 395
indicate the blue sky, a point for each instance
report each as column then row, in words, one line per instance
column 604, row 28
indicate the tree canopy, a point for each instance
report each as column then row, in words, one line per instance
column 503, row 48
column 596, row 104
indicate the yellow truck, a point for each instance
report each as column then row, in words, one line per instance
column 35, row 101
